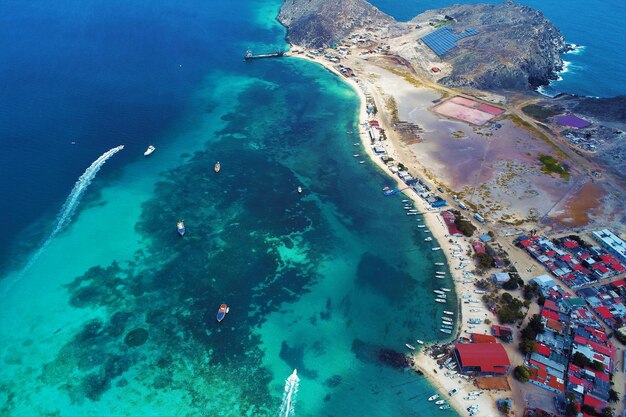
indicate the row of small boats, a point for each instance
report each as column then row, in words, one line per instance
column 441, row 403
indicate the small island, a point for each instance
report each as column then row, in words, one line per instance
column 509, row 182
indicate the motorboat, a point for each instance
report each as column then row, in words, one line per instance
column 446, row 331
column 433, row 397
column 449, row 313
column 440, row 300
column 409, row 346
column 221, row 313
column 299, row 189
column 439, row 263
column 439, row 402
column 445, row 407
column 428, row 239
column 217, row 166
column 149, row 150
column 419, row 341
column 437, row 248
column 180, row 227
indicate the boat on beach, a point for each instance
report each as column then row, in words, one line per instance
column 217, row 167
column 221, row 313
column 180, row 227
column 409, row 346
column 149, row 150
column 433, row 397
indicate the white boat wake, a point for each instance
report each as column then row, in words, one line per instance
column 71, row 203
column 287, row 407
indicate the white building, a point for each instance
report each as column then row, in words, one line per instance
column 613, row 244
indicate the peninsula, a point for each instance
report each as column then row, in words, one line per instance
column 449, row 103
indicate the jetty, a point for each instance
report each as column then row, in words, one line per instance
column 249, row 55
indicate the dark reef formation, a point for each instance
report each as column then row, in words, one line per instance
column 321, row 23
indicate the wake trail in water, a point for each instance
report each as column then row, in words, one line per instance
column 287, row 407
column 71, row 203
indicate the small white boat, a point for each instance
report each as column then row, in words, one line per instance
column 440, row 402
column 440, row 300
column 420, row 225
column 361, row 162
column 406, row 201
column 439, row 292
column 437, row 248
column 299, row 189
column 446, row 331
column 449, row 313
column 439, row 263
column 433, row 397
column 445, row 407
column 419, row 341
column 409, row 346
column 356, row 155
column 356, row 144
column 440, row 272
column 149, row 150
column 428, row 239
column 445, row 289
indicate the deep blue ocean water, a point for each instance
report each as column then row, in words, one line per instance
column 597, row 69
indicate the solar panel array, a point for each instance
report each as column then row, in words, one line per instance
column 443, row 40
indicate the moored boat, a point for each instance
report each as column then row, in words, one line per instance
column 439, row 263
column 149, row 150
column 440, row 300
column 299, row 189
column 449, row 313
column 439, row 402
column 437, row 248
column 445, row 407
column 221, row 313
column 419, row 341
column 433, row 397
column 409, row 346
column 445, row 289
column 446, row 331
column 217, row 166
column 428, row 239
column 180, row 227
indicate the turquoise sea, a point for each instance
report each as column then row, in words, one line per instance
column 596, row 68
column 107, row 311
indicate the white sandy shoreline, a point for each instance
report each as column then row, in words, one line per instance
column 439, row 232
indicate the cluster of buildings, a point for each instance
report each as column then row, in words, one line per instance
column 575, row 262
column 608, row 301
column 573, row 355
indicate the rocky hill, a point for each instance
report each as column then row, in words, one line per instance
column 517, row 47
column 321, row 23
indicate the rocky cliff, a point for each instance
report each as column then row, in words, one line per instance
column 320, row 23
column 517, row 47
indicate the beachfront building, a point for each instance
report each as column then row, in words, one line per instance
column 500, row 278
column 482, row 358
column 612, row 243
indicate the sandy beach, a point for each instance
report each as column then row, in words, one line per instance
column 434, row 222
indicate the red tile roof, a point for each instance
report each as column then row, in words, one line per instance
column 489, row 357
column 542, row 349
column 554, row 325
column 483, row 338
column 549, row 314
column 604, row 312
column 594, row 402
column 619, row 283
column 550, row 305
column 570, row 244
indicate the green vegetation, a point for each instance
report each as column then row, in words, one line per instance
column 521, row 373
column 529, row 334
column 552, row 166
column 539, row 112
column 465, row 226
column 485, row 261
column 392, row 107
column 531, row 291
column 510, row 309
